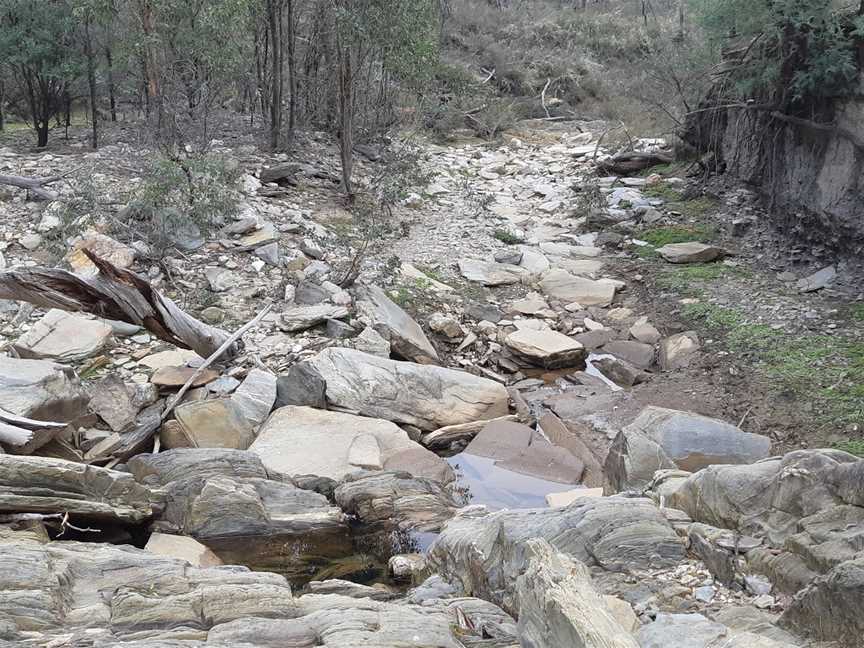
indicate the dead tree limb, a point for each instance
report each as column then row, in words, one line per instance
column 18, row 431
column 36, row 186
column 116, row 294
column 632, row 162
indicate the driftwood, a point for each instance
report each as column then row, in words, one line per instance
column 18, row 431
column 35, row 186
column 116, row 294
column 633, row 162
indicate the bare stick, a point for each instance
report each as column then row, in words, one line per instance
column 215, row 356
column 543, row 98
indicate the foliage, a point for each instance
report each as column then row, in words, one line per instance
column 506, row 237
column 660, row 236
column 797, row 49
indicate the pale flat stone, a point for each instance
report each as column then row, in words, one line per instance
column 61, row 336
column 409, row 271
column 256, row 395
column 214, row 424
column 565, row 498
column 365, row 452
column 490, row 274
column 679, row 350
column 690, row 252
column 567, row 288
column 547, row 348
column 173, row 358
column 300, row 318
column 387, row 318
column 183, row 548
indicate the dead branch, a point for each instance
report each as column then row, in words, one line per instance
column 50, row 519
column 36, row 186
column 633, row 161
column 117, row 294
column 18, row 431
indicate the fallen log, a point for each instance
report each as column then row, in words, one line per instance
column 633, row 162
column 18, row 431
column 36, row 186
column 116, row 294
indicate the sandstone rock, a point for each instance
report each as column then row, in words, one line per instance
column 215, row 424
column 301, row 318
column 547, row 348
column 545, row 461
column 103, row 247
column 424, row 396
column 64, row 337
column 173, row 358
column 305, row 441
column 679, row 350
column 182, row 547
column 645, row 332
column 394, row 324
column 532, row 304
column 661, row 438
column 501, row 440
column 40, row 390
column 177, row 376
column 690, row 252
column 401, row 499
column 256, row 396
column 558, row 606
column 44, row 485
column 490, row 274
column 561, row 285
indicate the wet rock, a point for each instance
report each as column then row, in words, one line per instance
column 394, row 324
column 678, row 351
column 546, row 348
column 661, row 438
column 593, row 340
column 306, row 441
column 112, row 401
column 484, row 312
column 214, row 424
column 302, row 385
column 301, row 318
column 407, row 567
column 490, row 274
column 425, row 396
column 557, row 605
column 41, row 390
column 183, row 548
column 45, row 485
column 690, row 252
column 485, row 554
column 402, row 499
column 255, row 396
column 561, row 285
column 637, row 354
column 501, row 440
column 64, row 337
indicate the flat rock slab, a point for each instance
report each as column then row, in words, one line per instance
column 182, row 548
column 690, row 252
column 46, row 485
column 406, row 337
column 256, row 395
column 301, row 318
column 64, row 337
column 171, row 358
column 41, row 390
column 425, row 396
column 177, row 376
column 305, row 441
column 565, row 498
column 214, row 424
column 112, row 401
column 546, row 348
column 490, row 274
column 818, row 280
column 500, row 440
column 638, row 354
column 561, row 285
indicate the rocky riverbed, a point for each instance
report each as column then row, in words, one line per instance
column 491, row 439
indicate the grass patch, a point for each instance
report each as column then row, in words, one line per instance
column 682, row 278
column 852, row 446
column 506, row 237
column 695, row 207
column 660, row 236
column 856, row 312
column 664, row 191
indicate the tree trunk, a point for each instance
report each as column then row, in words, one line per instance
column 91, row 83
column 2, row 97
column 67, row 112
column 42, row 134
column 109, row 62
column 292, row 70
column 274, row 24
column 346, row 115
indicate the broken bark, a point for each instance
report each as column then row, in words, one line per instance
column 116, row 294
column 633, row 162
column 36, row 186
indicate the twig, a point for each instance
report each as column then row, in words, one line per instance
column 744, row 418
column 215, row 356
column 543, row 98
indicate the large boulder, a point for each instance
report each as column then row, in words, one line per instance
column 64, row 337
column 558, row 605
column 297, row 441
column 46, row 485
column 406, row 337
column 41, row 390
column 661, row 438
column 425, row 396
column 486, row 554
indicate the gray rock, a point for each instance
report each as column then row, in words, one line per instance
column 490, row 274
column 394, row 324
column 112, row 401
column 427, row 397
column 545, row 461
column 681, row 631
column 302, row 385
column 501, row 440
column 46, row 485
column 306, row 441
column 645, row 332
column 818, row 280
column 400, row 499
column 269, row 254
column 510, row 256
column 637, row 354
column 371, row 342
column 41, row 390
column 64, row 337
column 678, row 351
column 256, row 396
column 690, row 252
column 546, row 348
column 620, row 371
column 662, row 438
column 561, row 285
column 301, row 318
column 158, row 470
column 446, row 325
column 339, row 330
column 220, row 279
column 484, row 312
column 310, row 294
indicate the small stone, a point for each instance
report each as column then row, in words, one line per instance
column 446, row 325
column 678, row 351
column 269, row 254
column 182, row 547
column 548, row 348
column 764, row 601
column 220, row 279
column 213, row 315
column 704, row 594
column 30, row 241
column 690, row 252
column 509, row 256
column 177, row 376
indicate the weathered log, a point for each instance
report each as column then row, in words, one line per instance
column 116, row 294
column 633, row 162
column 36, row 186
column 18, row 431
